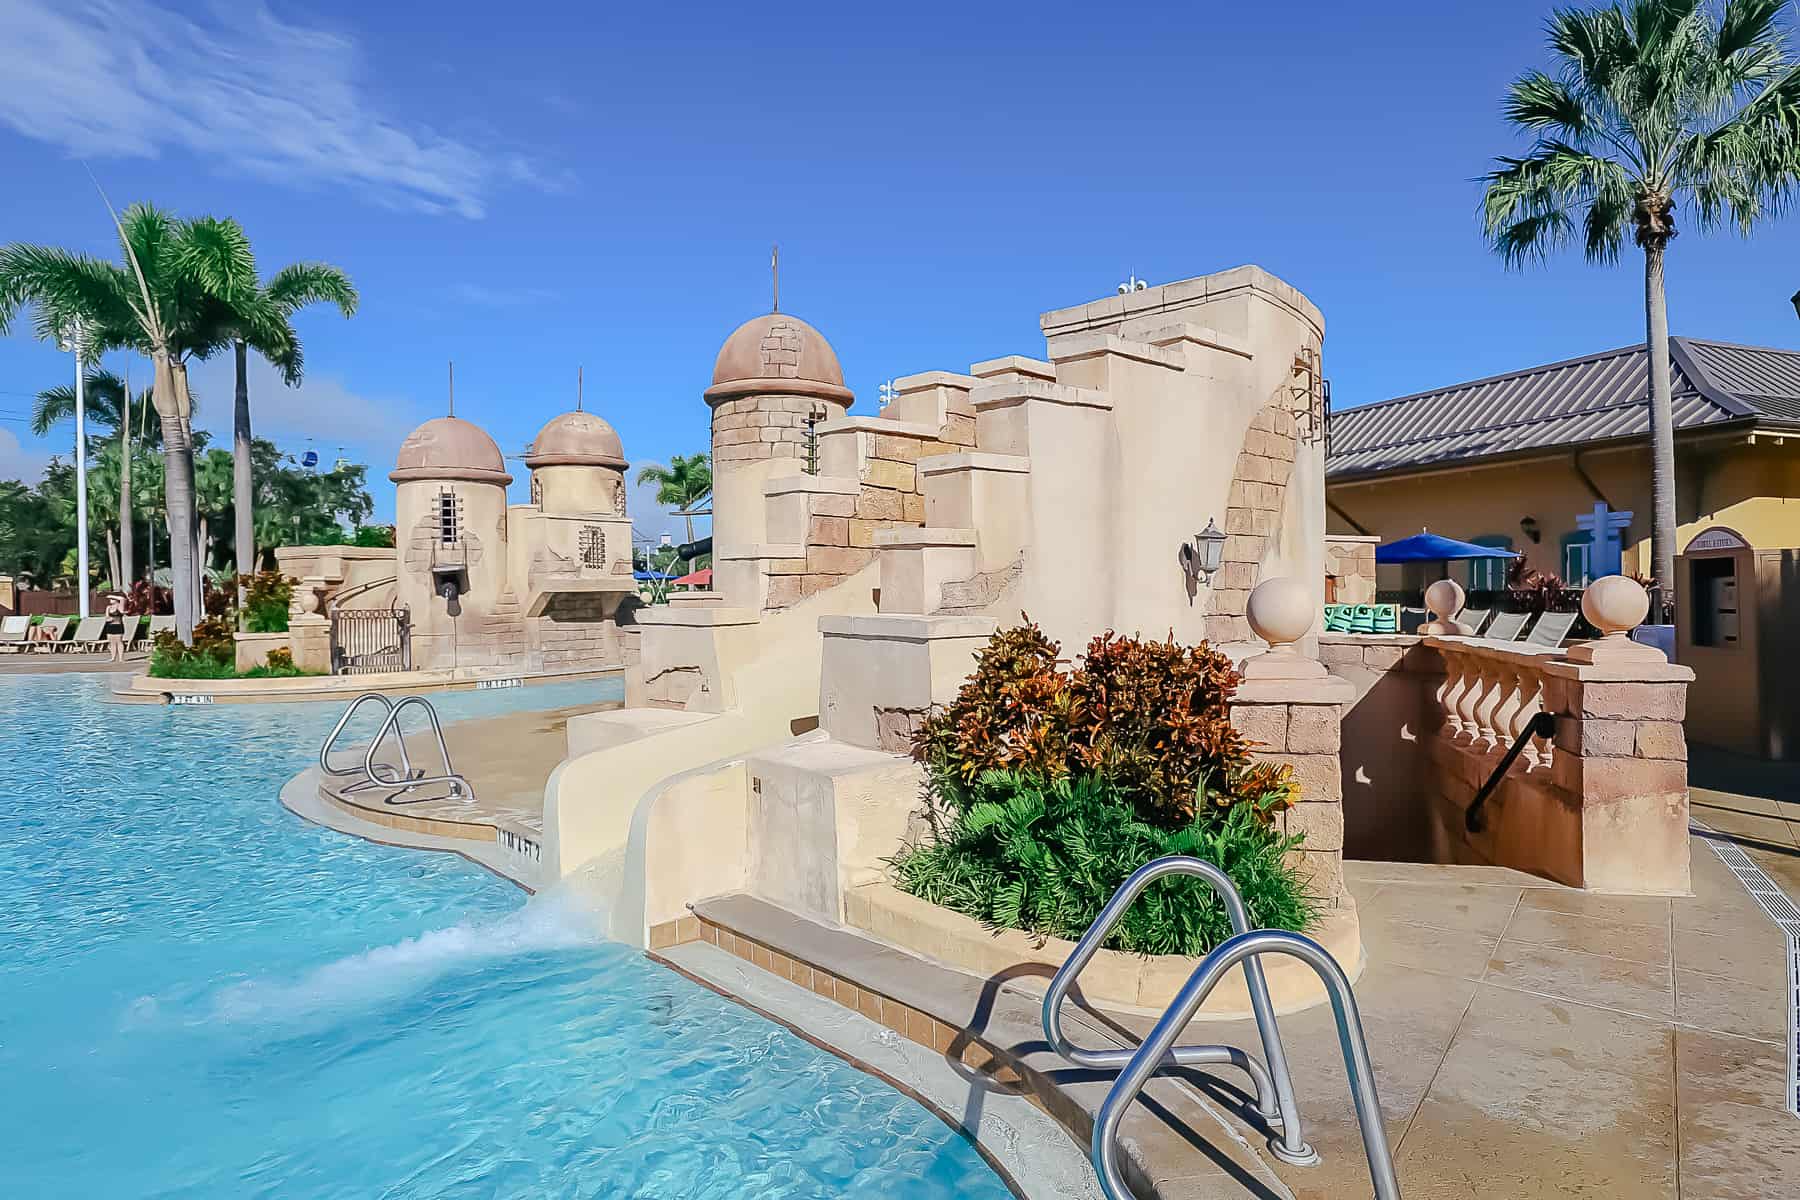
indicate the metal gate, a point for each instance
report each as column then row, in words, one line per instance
column 367, row 640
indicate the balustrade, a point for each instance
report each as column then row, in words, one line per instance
column 1490, row 694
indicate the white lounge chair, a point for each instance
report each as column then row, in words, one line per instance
column 162, row 624
column 90, row 635
column 1552, row 629
column 13, row 631
column 1506, row 626
column 50, row 634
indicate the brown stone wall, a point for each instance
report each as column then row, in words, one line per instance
column 1352, row 564
column 1305, row 738
column 574, row 630
column 751, row 428
column 1252, row 516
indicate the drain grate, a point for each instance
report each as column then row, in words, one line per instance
column 1784, row 913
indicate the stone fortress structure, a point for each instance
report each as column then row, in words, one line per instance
column 482, row 585
column 861, row 560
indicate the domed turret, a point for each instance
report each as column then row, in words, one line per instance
column 777, row 354
column 445, row 448
column 578, row 439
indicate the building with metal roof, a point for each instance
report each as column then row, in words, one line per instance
column 1598, row 399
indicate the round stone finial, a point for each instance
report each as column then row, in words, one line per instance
column 1280, row 611
column 1615, row 605
column 1445, row 599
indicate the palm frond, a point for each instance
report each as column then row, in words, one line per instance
column 296, row 286
column 1537, row 102
column 215, row 254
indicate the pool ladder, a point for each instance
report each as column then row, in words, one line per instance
column 1159, row 1050
column 377, row 775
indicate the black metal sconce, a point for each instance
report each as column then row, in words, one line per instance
column 1205, row 554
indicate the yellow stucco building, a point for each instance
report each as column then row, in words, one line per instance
column 1517, row 459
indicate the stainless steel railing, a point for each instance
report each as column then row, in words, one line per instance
column 1274, row 1088
column 408, row 778
column 1159, row 1050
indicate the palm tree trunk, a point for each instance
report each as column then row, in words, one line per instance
column 178, row 494
column 1662, row 427
column 112, row 562
column 244, row 535
column 125, row 575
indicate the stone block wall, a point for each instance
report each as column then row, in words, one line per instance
column 751, row 428
column 1298, row 723
column 1253, row 515
column 573, row 630
column 1350, row 565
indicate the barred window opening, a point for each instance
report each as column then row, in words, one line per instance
column 593, row 546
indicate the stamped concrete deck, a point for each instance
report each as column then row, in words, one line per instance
column 1529, row 1041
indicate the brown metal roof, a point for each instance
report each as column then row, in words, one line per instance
column 1602, row 397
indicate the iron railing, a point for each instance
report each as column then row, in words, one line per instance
column 365, row 641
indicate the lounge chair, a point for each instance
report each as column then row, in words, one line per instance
column 1506, row 626
column 1552, row 629
column 13, row 632
column 50, row 634
column 162, row 624
column 134, row 632
column 90, row 635
column 1413, row 619
column 1473, row 619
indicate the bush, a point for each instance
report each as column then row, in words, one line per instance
column 1047, row 787
column 266, row 597
column 212, row 656
column 1044, row 857
column 1151, row 718
column 373, row 536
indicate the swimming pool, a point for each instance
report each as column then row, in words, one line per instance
column 201, row 995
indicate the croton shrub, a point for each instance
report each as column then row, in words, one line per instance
column 1049, row 783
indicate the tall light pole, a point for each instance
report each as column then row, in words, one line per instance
column 72, row 341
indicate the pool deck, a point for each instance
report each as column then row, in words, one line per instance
column 1529, row 1040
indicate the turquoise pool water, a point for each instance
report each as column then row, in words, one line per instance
column 203, row 996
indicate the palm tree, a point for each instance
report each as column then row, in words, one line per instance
column 261, row 323
column 106, row 405
column 681, row 485
column 163, row 303
column 1654, row 105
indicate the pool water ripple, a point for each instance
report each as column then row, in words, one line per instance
column 203, row 996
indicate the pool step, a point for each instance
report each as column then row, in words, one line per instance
column 990, row 1030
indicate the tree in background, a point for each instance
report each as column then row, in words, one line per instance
column 107, row 406
column 1654, row 105
column 166, row 302
column 259, row 320
column 682, row 485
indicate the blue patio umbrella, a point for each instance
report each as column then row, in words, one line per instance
column 1430, row 547
column 648, row 576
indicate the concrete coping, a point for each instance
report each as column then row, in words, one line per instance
column 902, row 628
column 1549, row 661
column 706, row 598
column 1075, row 347
column 911, row 429
column 813, row 485
column 1199, row 335
column 1016, row 363
column 700, row 618
column 926, row 380
column 975, row 460
column 1370, row 639
column 1373, row 539
column 761, row 550
column 1183, row 294
column 920, row 536
column 1329, row 689
column 1004, row 395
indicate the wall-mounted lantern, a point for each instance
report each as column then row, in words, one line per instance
column 1205, row 554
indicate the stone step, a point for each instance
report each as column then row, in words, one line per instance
column 916, row 563
column 1172, row 1147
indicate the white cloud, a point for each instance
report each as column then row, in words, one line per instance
column 18, row 461
column 117, row 78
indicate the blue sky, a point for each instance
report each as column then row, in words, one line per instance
column 597, row 185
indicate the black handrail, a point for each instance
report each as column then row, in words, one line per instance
column 1542, row 725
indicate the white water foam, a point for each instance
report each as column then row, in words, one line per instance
column 557, row 919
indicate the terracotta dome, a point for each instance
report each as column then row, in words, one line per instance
column 777, row 353
column 576, row 439
column 450, row 448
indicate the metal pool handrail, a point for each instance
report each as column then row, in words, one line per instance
column 337, row 731
column 1150, row 1056
column 1274, row 1086
column 407, row 780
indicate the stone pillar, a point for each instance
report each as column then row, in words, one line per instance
column 1292, row 709
column 309, row 630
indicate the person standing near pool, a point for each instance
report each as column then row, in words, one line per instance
column 115, row 628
